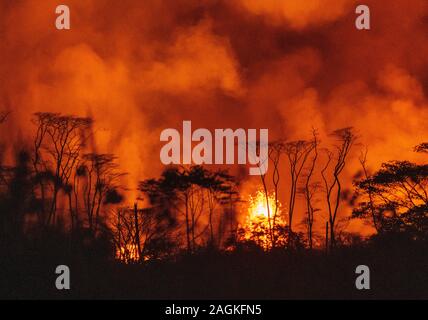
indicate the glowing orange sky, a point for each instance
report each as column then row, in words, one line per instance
column 138, row 67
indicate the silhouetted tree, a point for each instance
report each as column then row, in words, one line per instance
column 227, row 220
column 369, row 191
column 143, row 233
column 345, row 139
column 276, row 149
column 310, row 188
column 57, row 145
column 102, row 181
column 187, row 190
column 3, row 169
column 397, row 197
column 16, row 201
column 220, row 187
column 297, row 153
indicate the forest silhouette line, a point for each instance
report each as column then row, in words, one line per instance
column 60, row 202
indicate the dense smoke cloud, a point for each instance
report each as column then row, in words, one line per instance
column 139, row 67
column 297, row 14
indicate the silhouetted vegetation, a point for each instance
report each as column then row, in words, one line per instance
column 61, row 202
column 395, row 198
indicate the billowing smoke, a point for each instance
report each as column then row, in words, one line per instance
column 138, row 67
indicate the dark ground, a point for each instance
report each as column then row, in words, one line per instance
column 397, row 271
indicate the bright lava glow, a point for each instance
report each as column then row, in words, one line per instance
column 258, row 207
column 128, row 253
column 263, row 221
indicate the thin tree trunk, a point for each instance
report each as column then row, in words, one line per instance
column 71, row 210
column 268, row 209
column 189, row 249
column 326, row 236
column 137, row 231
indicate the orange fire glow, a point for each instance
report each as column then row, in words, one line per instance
column 138, row 67
column 259, row 206
column 128, row 253
column 263, row 216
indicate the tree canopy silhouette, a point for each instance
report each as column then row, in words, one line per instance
column 396, row 197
